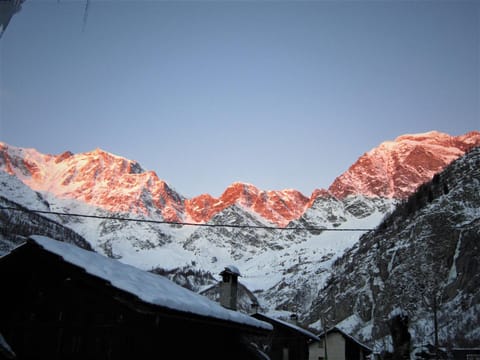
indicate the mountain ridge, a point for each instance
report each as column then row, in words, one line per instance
column 392, row 170
column 396, row 168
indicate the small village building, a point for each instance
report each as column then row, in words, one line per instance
column 63, row 302
column 338, row 345
column 289, row 341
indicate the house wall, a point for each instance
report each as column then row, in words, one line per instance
column 287, row 345
column 315, row 351
column 335, row 348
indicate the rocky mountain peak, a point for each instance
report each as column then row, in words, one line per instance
column 276, row 206
column 396, row 168
column 97, row 178
column 239, row 192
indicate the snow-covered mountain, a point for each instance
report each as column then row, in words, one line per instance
column 276, row 206
column 421, row 260
column 395, row 168
column 95, row 178
column 285, row 257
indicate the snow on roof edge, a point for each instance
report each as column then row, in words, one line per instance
column 335, row 328
column 293, row 326
column 151, row 288
column 232, row 269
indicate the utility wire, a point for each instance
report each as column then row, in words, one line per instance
column 118, row 218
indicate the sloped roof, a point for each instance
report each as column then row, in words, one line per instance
column 336, row 329
column 150, row 288
column 5, row 349
column 299, row 329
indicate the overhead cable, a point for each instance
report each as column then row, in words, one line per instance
column 180, row 223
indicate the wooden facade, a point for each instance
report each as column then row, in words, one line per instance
column 288, row 341
column 52, row 309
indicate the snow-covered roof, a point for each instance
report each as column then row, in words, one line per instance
column 348, row 336
column 5, row 349
column 151, row 288
column 290, row 325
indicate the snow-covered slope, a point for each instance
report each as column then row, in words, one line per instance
column 17, row 223
column 302, row 267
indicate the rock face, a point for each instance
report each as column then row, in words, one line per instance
column 237, row 242
column 396, row 168
column 423, row 259
column 278, row 207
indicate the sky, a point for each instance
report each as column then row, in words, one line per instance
column 279, row 94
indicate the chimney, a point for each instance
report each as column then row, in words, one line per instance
column 229, row 287
column 255, row 306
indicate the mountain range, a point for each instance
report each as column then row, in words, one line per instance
column 392, row 170
column 287, row 245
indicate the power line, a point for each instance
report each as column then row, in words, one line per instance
column 179, row 223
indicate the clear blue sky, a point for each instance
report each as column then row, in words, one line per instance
column 278, row 94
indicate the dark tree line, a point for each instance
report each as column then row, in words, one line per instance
column 425, row 194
